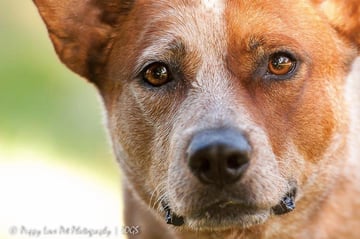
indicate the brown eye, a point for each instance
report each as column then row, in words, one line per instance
column 281, row 64
column 156, row 74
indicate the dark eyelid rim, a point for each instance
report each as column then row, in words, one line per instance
column 262, row 70
column 141, row 67
column 147, row 83
column 288, row 55
column 174, row 75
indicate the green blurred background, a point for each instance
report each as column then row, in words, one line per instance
column 54, row 152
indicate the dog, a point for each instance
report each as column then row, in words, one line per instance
column 229, row 118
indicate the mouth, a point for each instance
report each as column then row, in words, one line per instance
column 228, row 214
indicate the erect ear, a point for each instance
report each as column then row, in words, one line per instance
column 344, row 16
column 80, row 31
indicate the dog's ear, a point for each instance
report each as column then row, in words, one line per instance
column 80, row 30
column 344, row 16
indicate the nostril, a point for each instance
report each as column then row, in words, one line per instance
column 237, row 160
column 233, row 162
column 236, row 165
column 204, row 165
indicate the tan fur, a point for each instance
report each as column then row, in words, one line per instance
column 304, row 131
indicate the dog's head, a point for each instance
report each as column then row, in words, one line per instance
column 218, row 110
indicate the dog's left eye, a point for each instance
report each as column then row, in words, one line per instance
column 156, row 74
column 281, row 64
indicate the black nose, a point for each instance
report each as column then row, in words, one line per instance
column 219, row 156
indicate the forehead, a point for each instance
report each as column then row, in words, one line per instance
column 222, row 18
column 179, row 16
column 166, row 26
column 213, row 5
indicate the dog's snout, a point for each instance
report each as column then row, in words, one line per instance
column 219, row 156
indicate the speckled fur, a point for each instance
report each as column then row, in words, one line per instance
column 304, row 131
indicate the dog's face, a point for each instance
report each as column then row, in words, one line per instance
column 217, row 109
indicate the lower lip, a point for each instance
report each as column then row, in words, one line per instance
column 227, row 215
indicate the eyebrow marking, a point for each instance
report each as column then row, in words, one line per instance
column 165, row 51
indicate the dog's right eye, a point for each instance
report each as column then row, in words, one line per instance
column 156, row 74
